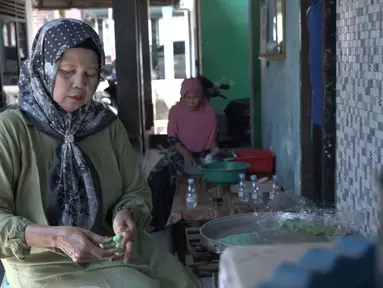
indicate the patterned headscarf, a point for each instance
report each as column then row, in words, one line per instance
column 74, row 183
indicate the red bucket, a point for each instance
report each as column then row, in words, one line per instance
column 261, row 160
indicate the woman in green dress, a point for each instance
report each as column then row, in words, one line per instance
column 70, row 180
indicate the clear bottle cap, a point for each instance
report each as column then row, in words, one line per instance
column 275, row 177
column 242, row 176
column 253, row 178
column 191, row 181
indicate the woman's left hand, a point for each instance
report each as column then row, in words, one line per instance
column 214, row 150
column 124, row 225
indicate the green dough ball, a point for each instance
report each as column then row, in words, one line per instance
column 109, row 245
column 117, row 238
column 114, row 243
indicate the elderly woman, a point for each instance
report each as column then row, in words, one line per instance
column 192, row 132
column 69, row 179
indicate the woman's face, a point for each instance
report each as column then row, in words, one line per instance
column 192, row 100
column 77, row 79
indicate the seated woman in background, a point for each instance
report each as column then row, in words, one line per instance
column 192, row 132
column 69, row 178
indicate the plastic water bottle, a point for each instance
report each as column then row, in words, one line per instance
column 255, row 194
column 243, row 195
column 191, row 200
column 276, row 187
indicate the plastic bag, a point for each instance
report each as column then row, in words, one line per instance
column 290, row 202
column 302, row 221
column 350, row 223
column 266, row 225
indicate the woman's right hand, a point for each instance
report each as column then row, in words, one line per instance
column 189, row 159
column 81, row 245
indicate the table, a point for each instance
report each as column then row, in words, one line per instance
column 207, row 209
column 181, row 217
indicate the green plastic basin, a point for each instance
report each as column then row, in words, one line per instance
column 224, row 173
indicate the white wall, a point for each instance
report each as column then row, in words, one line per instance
column 179, row 25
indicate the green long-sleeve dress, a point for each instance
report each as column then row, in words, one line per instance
column 25, row 158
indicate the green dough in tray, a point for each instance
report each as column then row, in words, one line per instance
column 237, row 239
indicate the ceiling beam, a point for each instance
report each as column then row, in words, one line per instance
column 38, row 4
column 68, row 4
column 53, row 5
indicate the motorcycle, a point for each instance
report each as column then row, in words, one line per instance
column 237, row 114
column 107, row 90
column 211, row 90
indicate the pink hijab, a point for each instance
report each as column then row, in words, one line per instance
column 195, row 129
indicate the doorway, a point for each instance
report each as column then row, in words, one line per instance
column 318, row 106
column 13, row 50
column 172, row 57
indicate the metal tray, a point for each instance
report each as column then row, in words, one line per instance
column 249, row 223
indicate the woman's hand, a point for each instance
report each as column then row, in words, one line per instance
column 214, row 150
column 189, row 159
column 124, row 225
column 81, row 245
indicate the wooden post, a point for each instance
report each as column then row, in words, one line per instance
column 128, row 68
column 329, row 103
column 306, row 95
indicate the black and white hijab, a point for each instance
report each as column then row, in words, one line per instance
column 74, row 183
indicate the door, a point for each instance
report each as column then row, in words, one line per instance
column 173, row 58
column 13, row 47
